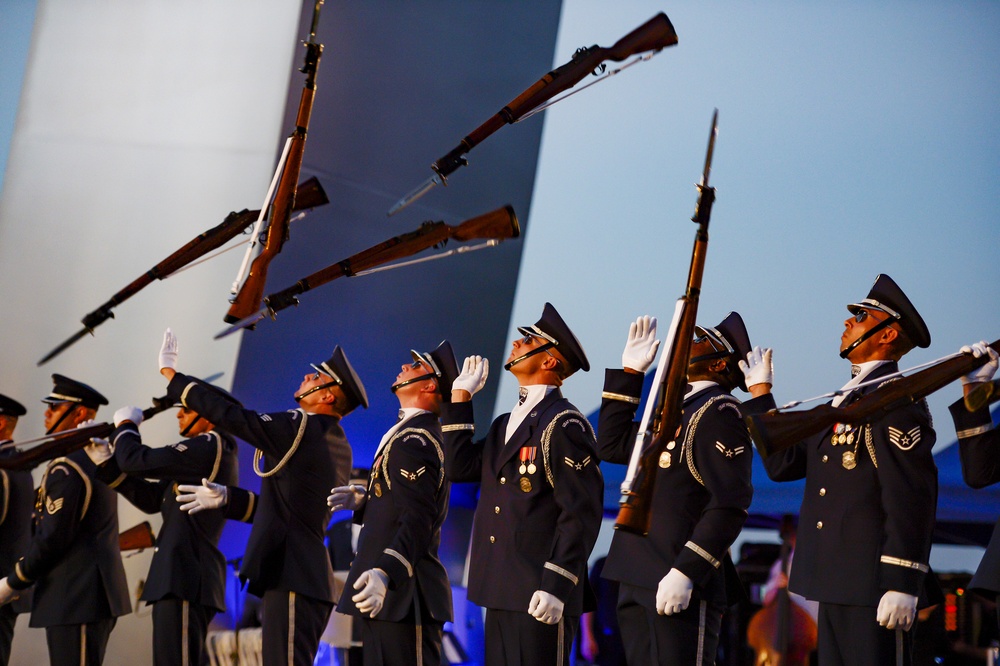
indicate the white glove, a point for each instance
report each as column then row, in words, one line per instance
column 640, row 350
column 206, row 496
column 133, row 414
column 98, row 450
column 896, row 609
column 372, row 584
column 7, row 593
column 983, row 373
column 546, row 608
column 475, row 370
column 673, row 594
column 351, row 498
column 168, row 351
column 758, row 368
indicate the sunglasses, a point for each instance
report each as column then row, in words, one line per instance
column 861, row 315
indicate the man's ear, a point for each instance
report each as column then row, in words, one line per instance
column 889, row 335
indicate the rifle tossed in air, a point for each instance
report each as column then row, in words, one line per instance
column 311, row 194
column 248, row 298
column 654, row 35
column 496, row 225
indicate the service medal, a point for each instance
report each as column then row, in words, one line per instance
column 849, row 460
column 522, row 469
column 532, row 468
column 525, row 484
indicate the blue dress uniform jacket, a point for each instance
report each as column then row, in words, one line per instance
column 187, row 563
column 865, row 530
column 531, row 531
column 979, row 452
column 701, row 495
column 303, row 456
column 73, row 558
column 402, row 517
column 17, row 497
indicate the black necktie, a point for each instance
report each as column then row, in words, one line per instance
column 855, row 370
column 522, row 395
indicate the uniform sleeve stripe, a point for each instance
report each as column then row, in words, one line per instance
column 707, row 556
column 458, row 426
column 972, row 432
column 398, row 556
column 562, row 572
column 908, row 564
column 608, row 395
column 250, row 504
column 117, row 482
column 20, row 573
column 6, row 496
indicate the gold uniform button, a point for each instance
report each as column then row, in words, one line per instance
column 493, row 539
column 819, row 525
column 822, row 492
column 503, row 480
column 496, row 509
column 825, row 458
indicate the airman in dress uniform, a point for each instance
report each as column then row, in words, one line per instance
column 17, row 496
column 979, row 452
column 301, row 454
column 186, row 584
column 674, row 581
column 73, row 559
column 397, row 588
column 871, row 491
column 540, row 502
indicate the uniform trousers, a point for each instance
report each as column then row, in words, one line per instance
column 292, row 625
column 8, row 618
column 850, row 636
column 515, row 638
column 690, row 637
column 79, row 644
column 400, row 643
column 179, row 630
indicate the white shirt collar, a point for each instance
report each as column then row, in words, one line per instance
column 698, row 386
column 864, row 369
column 535, row 393
column 407, row 414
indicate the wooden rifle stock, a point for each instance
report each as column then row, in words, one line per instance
column 635, row 505
column 982, row 395
column 653, row 35
column 67, row 441
column 248, row 299
column 776, row 431
column 500, row 223
column 137, row 537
